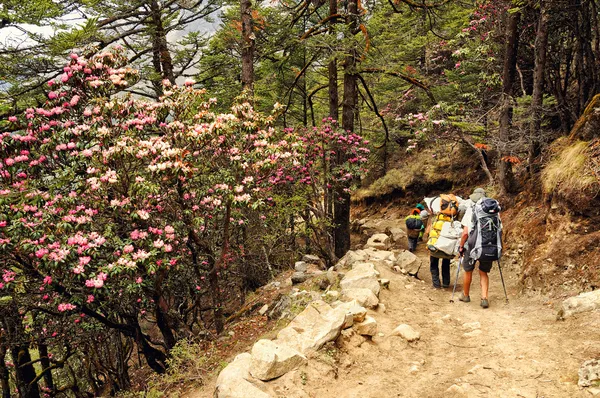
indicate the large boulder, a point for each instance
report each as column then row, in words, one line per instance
column 585, row 302
column 271, row 359
column 235, row 380
column 364, row 297
column 313, row 327
column 589, row 373
column 362, row 275
column 352, row 307
column 396, row 233
column 353, row 256
column 378, row 241
column 371, row 227
column 407, row 260
column 380, row 255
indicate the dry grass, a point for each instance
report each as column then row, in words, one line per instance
column 569, row 176
column 394, row 180
column 568, row 170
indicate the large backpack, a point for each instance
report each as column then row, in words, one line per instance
column 485, row 239
column 449, row 205
column 444, row 236
column 413, row 222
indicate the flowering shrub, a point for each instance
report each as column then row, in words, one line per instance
column 115, row 211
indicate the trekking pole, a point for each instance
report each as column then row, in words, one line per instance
column 503, row 285
column 456, row 279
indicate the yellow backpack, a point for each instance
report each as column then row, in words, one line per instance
column 434, row 233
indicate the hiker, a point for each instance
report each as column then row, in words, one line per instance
column 414, row 226
column 443, row 233
column 479, row 206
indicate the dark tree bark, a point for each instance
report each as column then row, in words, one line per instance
column 505, row 177
column 4, row 375
column 45, row 362
column 332, row 69
column 541, row 46
column 341, row 208
column 247, row 46
column 162, row 61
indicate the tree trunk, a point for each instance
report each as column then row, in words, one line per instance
column 4, row 375
column 541, row 46
column 505, row 177
column 332, row 69
column 24, row 372
column 159, row 39
column 341, row 207
column 45, row 362
column 247, row 46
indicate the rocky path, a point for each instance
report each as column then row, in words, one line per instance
column 508, row 350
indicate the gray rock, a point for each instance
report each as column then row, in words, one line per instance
column 407, row 260
column 271, row 359
column 263, row 310
column 235, row 380
column 300, row 266
column 368, row 327
column 385, row 283
column 299, row 277
column 282, row 303
column 589, row 373
column 585, row 302
column 378, row 241
column 364, row 297
column 406, row 332
column 313, row 327
column 362, row 275
column 396, row 233
column 311, row 259
column 357, row 311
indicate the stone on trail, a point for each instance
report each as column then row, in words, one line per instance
column 380, row 255
column 407, row 260
column 263, row 310
column 300, row 266
column 457, row 390
column 332, row 294
column 299, row 277
column 357, row 311
column 368, row 327
column 311, row 259
column 362, row 275
column 271, row 359
column 353, row 256
column 585, row 302
column 313, row 327
column 406, row 332
column 589, row 373
column 378, row 241
column 371, row 227
column 235, row 380
column 396, row 233
column 473, row 333
column 385, row 283
column 364, row 297
column 472, row 325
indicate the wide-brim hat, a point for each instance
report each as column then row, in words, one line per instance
column 477, row 194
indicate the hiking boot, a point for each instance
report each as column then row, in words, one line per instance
column 484, row 303
column 464, row 299
column 445, row 286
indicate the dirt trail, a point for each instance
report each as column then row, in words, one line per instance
column 520, row 349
